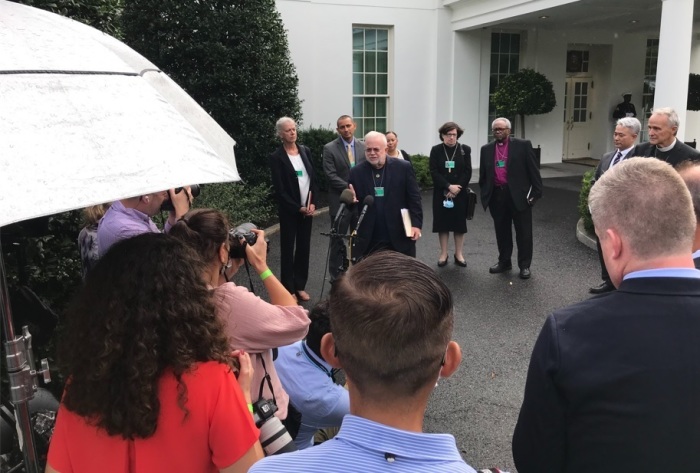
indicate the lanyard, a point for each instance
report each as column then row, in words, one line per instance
column 330, row 374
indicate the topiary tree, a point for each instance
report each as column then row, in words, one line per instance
column 694, row 92
column 100, row 14
column 526, row 92
column 232, row 57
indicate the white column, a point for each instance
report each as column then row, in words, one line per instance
column 675, row 37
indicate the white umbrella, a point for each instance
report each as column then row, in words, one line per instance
column 84, row 119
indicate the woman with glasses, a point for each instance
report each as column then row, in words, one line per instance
column 451, row 169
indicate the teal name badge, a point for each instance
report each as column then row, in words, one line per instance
column 449, row 164
column 300, row 173
column 379, row 192
column 500, row 164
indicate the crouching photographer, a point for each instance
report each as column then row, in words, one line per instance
column 252, row 324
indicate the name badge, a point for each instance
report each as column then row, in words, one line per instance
column 379, row 192
column 300, row 173
column 449, row 164
column 500, row 164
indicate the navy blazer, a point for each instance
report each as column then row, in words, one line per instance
column 401, row 192
column 523, row 175
column 285, row 182
column 614, row 383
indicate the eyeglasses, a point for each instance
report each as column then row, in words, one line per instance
column 450, row 134
column 499, row 130
column 373, row 150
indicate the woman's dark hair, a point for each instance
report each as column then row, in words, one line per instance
column 144, row 309
column 204, row 230
column 449, row 126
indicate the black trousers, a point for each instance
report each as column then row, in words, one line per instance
column 339, row 246
column 295, row 231
column 505, row 216
column 603, row 270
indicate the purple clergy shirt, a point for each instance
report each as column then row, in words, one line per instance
column 120, row 223
column 501, row 154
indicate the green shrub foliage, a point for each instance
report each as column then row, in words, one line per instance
column 241, row 203
column 526, row 92
column 422, row 170
column 232, row 57
column 100, row 14
column 583, row 212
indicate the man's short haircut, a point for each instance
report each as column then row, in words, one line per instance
column 392, row 319
column 670, row 113
column 501, row 119
column 647, row 202
column 632, row 123
column 279, row 126
column 376, row 134
column 343, row 117
column 690, row 172
column 320, row 325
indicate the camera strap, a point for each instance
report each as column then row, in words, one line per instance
column 266, row 379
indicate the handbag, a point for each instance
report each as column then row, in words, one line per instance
column 471, row 203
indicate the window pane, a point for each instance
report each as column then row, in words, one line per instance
column 515, row 43
column 358, row 38
column 381, row 125
column 357, row 62
column 370, row 62
column 494, row 63
column 359, row 131
column 381, row 107
column 383, row 40
column 357, row 110
column 584, row 102
column 358, row 84
column 514, row 59
column 493, row 82
column 577, row 102
column 370, row 84
column 382, row 84
column 382, row 62
column 368, row 125
column 503, row 62
column 371, row 40
column 495, row 42
column 369, row 108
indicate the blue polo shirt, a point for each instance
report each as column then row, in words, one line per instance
column 367, row 446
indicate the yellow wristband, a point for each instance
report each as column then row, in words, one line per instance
column 266, row 274
column 250, row 408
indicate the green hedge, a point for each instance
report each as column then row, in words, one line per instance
column 315, row 139
column 420, row 166
column 586, row 185
column 241, row 203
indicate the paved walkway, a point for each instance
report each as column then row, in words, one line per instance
column 498, row 317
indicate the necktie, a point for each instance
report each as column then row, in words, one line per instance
column 351, row 157
column 617, row 159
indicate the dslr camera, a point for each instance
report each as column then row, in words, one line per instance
column 245, row 232
column 274, row 437
column 167, row 205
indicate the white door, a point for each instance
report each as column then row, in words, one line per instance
column 577, row 118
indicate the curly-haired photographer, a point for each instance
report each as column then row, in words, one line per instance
column 149, row 372
column 252, row 324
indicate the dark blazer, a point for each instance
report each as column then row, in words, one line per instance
column 285, row 182
column 523, row 175
column 401, row 192
column 336, row 165
column 679, row 153
column 604, row 163
column 614, row 383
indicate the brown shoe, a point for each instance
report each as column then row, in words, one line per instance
column 303, row 296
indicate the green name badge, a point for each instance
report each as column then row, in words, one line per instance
column 300, row 173
column 449, row 164
column 500, row 164
column 379, row 192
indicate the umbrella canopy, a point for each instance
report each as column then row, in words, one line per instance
column 84, row 119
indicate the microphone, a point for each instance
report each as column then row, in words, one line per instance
column 368, row 202
column 345, row 200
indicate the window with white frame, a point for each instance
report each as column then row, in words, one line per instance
column 505, row 60
column 370, row 79
column 648, row 89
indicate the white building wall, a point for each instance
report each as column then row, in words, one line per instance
column 320, row 42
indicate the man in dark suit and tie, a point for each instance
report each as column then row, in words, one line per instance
column 625, row 135
column 613, row 381
column 510, row 185
column 662, row 144
column 393, row 186
column 339, row 156
column 690, row 172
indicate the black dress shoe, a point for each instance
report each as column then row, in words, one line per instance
column 602, row 288
column 525, row 273
column 499, row 268
column 442, row 263
column 461, row 263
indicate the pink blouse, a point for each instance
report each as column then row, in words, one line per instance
column 257, row 326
